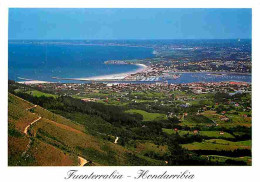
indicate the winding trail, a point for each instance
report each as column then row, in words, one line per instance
column 27, row 127
column 26, row 131
column 116, row 139
column 82, row 161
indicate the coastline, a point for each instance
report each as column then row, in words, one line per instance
column 118, row 76
column 31, row 82
column 123, row 76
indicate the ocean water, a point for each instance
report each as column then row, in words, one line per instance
column 43, row 61
column 39, row 60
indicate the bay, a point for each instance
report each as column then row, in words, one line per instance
column 44, row 61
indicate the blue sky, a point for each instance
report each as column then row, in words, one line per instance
column 129, row 23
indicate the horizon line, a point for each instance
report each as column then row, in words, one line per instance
column 140, row 39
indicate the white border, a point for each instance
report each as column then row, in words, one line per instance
column 58, row 173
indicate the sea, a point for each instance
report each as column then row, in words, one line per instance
column 34, row 60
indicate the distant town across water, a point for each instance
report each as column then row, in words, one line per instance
column 171, row 61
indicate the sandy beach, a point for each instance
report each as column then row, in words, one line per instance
column 31, row 82
column 119, row 76
column 111, row 77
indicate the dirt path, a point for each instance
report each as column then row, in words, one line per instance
column 82, row 161
column 27, row 127
column 116, row 139
column 31, row 107
column 26, row 133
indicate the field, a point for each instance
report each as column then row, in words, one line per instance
column 210, row 134
column 146, row 148
column 148, row 116
column 37, row 93
column 233, row 118
column 218, row 144
column 223, row 159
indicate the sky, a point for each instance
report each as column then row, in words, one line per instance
column 87, row 24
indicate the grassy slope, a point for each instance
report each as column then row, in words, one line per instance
column 18, row 118
column 40, row 152
column 57, row 141
column 57, row 118
column 18, row 115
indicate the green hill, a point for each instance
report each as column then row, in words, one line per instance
column 38, row 137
